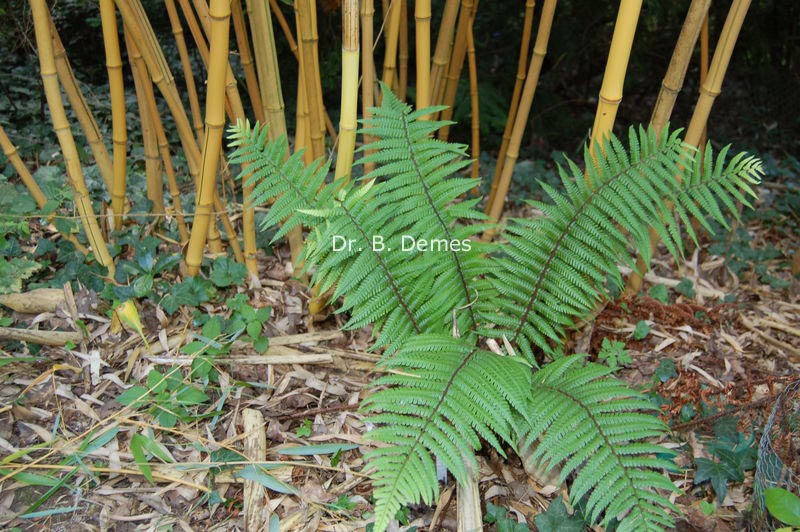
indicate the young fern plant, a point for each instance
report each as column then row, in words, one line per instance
column 433, row 304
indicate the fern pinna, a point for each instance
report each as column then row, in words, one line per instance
column 432, row 306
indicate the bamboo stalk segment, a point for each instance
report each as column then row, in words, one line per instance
column 269, row 77
column 188, row 75
column 704, row 69
column 243, row 43
column 522, row 67
column 441, row 54
column 61, row 126
column 401, row 81
column 614, row 77
column 287, row 30
column 349, row 106
column 716, row 71
column 422, row 52
column 475, row 145
column 465, row 19
column 306, row 15
column 670, row 87
column 367, row 68
column 391, row 39
column 119, row 134
column 676, row 72
column 10, row 151
column 147, row 105
column 495, row 208
column 82, row 111
column 219, row 12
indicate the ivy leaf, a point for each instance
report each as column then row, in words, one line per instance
column 556, row 519
column 718, row 473
column 686, row 288
column 641, row 331
column 227, row 272
column 659, row 293
column 666, row 370
column 13, row 272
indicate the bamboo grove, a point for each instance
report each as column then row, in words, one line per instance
column 250, row 28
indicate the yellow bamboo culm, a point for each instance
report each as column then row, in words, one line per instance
column 287, row 30
column 367, row 68
column 614, row 77
column 704, row 70
column 676, row 72
column 475, row 145
column 188, row 75
column 708, row 93
column 401, row 81
column 716, row 71
column 219, row 12
column 495, row 208
column 670, row 87
column 441, row 54
column 456, row 64
column 522, row 67
column 82, row 111
column 243, row 43
column 269, row 80
column 392, row 37
column 10, row 151
column 422, row 52
column 349, row 106
column 147, row 103
column 119, row 132
column 306, row 11
column 58, row 115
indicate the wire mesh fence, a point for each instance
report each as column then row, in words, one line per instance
column 778, row 453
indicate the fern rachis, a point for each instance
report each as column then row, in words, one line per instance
column 453, row 395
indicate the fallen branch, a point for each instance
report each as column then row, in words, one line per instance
column 40, row 337
column 791, row 351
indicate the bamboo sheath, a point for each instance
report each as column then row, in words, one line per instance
column 441, row 55
column 456, row 64
column 422, row 51
column 349, row 99
column 495, row 208
column 10, row 151
column 670, row 87
column 614, row 77
column 61, row 126
column 119, row 132
column 81, row 109
column 219, row 12
column 522, row 67
column 186, row 66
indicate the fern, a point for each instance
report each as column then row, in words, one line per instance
column 431, row 311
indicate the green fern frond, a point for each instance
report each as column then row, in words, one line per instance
column 295, row 187
column 450, row 396
column 594, row 426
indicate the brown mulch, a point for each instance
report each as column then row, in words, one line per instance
column 736, row 356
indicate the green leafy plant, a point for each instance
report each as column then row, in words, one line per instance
column 614, row 354
column 734, row 452
column 498, row 516
column 556, row 519
column 783, row 505
column 399, row 246
column 167, row 397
